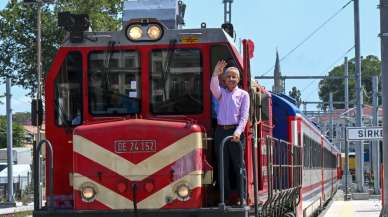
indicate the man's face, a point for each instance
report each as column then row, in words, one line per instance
column 232, row 78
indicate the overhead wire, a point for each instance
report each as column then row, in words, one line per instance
column 328, row 68
column 310, row 35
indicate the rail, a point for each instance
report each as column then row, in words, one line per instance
column 221, row 174
column 37, row 175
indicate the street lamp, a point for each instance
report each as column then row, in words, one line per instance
column 37, row 103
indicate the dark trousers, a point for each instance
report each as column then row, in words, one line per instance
column 232, row 160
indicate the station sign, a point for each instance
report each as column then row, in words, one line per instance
column 364, row 133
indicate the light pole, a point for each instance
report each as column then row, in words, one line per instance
column 38, row 96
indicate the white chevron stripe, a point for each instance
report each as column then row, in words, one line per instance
column 157, row 200
column 142, row 170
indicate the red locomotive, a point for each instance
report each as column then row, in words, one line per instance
column 128, row 115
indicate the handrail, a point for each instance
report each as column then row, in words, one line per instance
column 221, row 171
column 254, row 153
column 37, row 174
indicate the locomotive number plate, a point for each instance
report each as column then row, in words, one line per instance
column 135, row 146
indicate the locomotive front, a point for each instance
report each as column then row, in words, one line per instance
column 138, row 164
column 128, row 114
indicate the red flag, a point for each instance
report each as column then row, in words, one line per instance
column 251, row 46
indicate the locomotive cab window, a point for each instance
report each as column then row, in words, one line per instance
column 114, row 83
column 222, row 52
column 176, row 81
column 68, row 91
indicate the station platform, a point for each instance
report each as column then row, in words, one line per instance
column 352, row 208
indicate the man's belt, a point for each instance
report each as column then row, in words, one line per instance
column 227, row 127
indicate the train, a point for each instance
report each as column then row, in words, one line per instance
column 128, row 130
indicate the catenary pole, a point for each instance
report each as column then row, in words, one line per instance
column 331, row 110
column 359, row 146
column 384, row 73
column 9, row 141
column 375, row 144
column 39, row 64
column 39, row 76
column 346, row 65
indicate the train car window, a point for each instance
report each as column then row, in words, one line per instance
column 176, row 81
column 113, row 83
column 306, row 152
column 68, row 91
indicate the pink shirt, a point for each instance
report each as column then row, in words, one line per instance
column 233, row 108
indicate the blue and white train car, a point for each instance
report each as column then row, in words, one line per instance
column 320, row 159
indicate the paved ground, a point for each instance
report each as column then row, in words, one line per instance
column 352, row 208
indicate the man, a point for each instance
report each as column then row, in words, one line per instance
column 232, row 117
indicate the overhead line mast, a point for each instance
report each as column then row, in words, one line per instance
column 228, row 26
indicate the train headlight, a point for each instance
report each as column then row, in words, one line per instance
column 154, row 32
column 88, row 192
column 134, row 32
column 183, row 191
column 143, row 30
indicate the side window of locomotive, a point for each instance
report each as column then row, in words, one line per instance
column 113, row 83
column 68, row 91
column 176, row 81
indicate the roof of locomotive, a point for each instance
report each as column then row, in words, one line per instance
column 201, row 35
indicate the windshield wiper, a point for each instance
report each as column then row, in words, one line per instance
column 108, row 57
column 167, row 66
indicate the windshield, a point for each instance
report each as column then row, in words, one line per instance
column 176, row 81
column 114, row 83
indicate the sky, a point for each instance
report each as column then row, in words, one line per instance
column 280, row 25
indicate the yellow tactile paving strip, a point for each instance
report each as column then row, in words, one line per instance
column 354, row 208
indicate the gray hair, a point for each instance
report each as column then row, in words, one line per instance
column 231, row 68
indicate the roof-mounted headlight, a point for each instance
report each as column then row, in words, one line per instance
column 135, row 32
column 144, row 30
column 154, row 32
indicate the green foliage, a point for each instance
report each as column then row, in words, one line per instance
column 295, row 93
column 22, row 118
column 370, row 66
column 18, row 25
column 17, row 131
column 17, row 44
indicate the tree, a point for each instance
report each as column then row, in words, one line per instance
column 22, row 118
column 18, row 34
column 295, row 93
column 370, row 66
column 17, row 131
